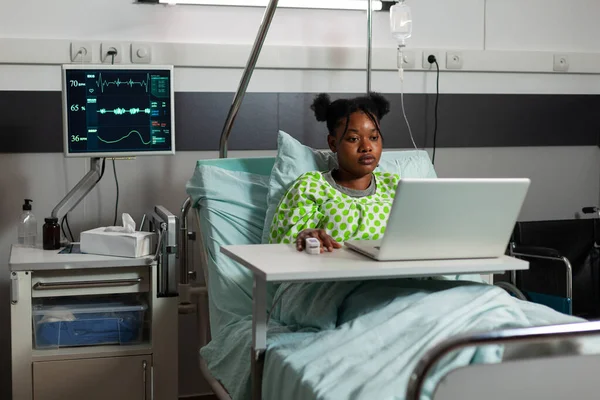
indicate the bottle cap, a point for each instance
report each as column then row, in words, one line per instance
column 51, row 220
column 27, row 206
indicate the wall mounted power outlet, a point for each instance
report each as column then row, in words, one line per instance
column 438, row 56
column 454, row 60
column 408, row 60
column 141, row 53
column 561, row 63
column 81, row 52
column 105, row 57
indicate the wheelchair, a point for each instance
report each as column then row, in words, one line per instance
column 564, row 259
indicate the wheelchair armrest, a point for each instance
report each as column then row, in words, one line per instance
column 536, row 251
column 549, row 254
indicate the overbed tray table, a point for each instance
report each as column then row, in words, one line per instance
column 283, row 263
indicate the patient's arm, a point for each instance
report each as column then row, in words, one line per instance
column 297, row 211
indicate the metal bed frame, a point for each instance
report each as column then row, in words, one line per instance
column 195, row 298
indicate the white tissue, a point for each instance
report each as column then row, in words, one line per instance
column 128, row 225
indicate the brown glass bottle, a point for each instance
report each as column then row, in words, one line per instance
column 51, row 234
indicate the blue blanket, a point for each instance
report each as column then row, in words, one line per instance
column 361, row 340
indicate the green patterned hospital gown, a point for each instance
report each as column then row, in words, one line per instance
column 312, row 202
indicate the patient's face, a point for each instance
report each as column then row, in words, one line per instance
column 359, row 150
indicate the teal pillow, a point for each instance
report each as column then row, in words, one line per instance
column 294, row 159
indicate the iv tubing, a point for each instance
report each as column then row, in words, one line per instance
column 401, row 71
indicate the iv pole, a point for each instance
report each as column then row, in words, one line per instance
column 251, row 64
column 369, row 43
column 241, row 92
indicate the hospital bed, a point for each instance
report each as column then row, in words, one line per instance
column 225, row 218
column 228, row 198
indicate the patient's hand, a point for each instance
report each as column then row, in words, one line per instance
column 327, row 242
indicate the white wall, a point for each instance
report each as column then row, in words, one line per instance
column 122, row 20
column 469, row 24
column 542, row 25
column 564, row 179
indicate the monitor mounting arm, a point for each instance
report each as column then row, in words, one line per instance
column 85, row 185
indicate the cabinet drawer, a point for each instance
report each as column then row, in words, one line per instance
column 90, row 282
column 115, row 378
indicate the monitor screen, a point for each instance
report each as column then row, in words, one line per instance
column 118, row 111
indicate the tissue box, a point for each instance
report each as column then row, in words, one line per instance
column 116, row 244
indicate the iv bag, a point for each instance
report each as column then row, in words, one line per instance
column 401, row 22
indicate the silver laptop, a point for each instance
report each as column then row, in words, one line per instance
column 437, row 219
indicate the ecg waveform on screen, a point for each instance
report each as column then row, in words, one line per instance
column 126, row 136
column 101, row 83
column 122, row 111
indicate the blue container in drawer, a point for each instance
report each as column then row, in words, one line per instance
column 87, row 324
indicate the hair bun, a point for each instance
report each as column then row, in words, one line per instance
column 321, row 106
column 382, row 104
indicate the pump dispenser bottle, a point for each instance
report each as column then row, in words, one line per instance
column 27, row 231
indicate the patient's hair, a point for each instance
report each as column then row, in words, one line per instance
column 374, row 105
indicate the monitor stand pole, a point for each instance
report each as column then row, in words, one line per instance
column 85, row 185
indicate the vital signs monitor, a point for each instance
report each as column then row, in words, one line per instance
column 117, row 110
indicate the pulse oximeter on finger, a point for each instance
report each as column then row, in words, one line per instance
column 313, row 246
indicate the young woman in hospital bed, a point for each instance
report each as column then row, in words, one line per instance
column 361, row 340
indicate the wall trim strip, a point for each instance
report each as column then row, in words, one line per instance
column 32, row 120
column 217, row 55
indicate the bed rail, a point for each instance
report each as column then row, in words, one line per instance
column 187, row 292
column 535, row 334
column 184, row 235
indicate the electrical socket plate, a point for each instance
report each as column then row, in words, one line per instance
column 454, row 60
column 561, row 63
column 141, row 53
column 105, row 47
column 438, row 57
column 77, row 48
column 408, row 59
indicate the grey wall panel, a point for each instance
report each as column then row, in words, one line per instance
column 199, row 120
column 297, row 119
column 466, row 120
column 518, row 120
column 31, row 121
